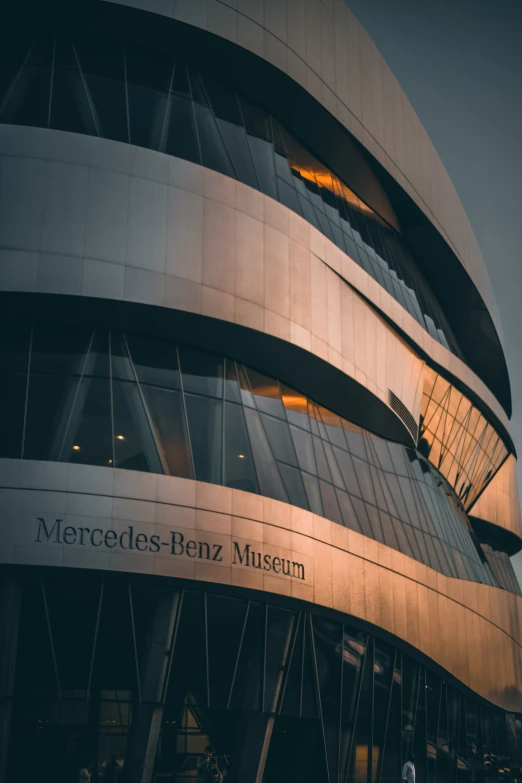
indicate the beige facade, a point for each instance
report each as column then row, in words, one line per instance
column 84, row 219
column 500, row 501
column 321, row 45
column 145, row 227
column 473, row 631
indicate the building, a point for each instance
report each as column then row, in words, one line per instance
column 258, row 487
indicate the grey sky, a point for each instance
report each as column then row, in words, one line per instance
column 460, row 64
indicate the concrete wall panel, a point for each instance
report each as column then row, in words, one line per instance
column 462, row 626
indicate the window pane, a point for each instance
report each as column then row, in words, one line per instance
column 213, row 151
column 330, row 504
column 304, row 449
column 266, row 393
column 239, row 465
column 58, row 350
column 28, row 102
column 296, row 407
column 294, row 485
column 270, row 482
column 155, row 361
column 202, row 372
column 205, row 425
column 225, row 620
column 248, row 685
column 232, row 392
column 280, row 626
column 168, row 417
column 50, row 402
column 90, row 427
column 103, row 69
column 121, row 366
column 279, row 439
column 134, row 446
column 313, row 493
column 98, row 358
column 70, row 108
column 181, row 138
column 12, row 405
column 148, row 83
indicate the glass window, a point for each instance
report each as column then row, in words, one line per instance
column 279, row 634
column 293, row 482
column 239, row 465
column 279, row 438
column 202, row 372
column 29, row 96
column 205, row 419
column 182, row 140
column 70, row 103
column 97, row 362
column 270, row 482
column 247, row 692
column 304, row 449
column 49, row 407
column 330, row 504
column 12, row 398
column 121, row 366
column 232, row 392
column 296, row 407
column 59, row 351
column 313, row 493
column 103, row 68
column 134, row 446
column 320, row 458
column 148, row 83
column 225, row 622
column 155, row 361
column 214, row 154
column 89, row 435
column 267, row 394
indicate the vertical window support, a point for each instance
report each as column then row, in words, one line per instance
column 134, row 643
column 238, row 655
column 51, row 640
column 95, row 640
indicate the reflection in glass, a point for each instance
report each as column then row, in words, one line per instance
column 150, row 100
column 117, row 400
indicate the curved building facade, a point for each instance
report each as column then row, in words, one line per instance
column 257, row 483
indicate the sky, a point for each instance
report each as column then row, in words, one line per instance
column 460, row 64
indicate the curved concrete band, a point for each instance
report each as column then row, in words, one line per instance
column 323, row 47
column 91, row 217
column 77, row 516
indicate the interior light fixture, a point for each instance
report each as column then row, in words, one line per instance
column 120, row 437
column 76, row 448
column 241, row 456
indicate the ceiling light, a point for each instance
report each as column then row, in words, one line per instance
column 76, row 448
column 120, row 437
column 241, row 456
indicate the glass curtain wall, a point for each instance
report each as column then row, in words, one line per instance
column 121, row 400
column 457, row 439
column 139, row 97
column 346, row 706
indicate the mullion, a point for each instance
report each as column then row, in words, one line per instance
column 185, row 413
column 14, row 81
column 168, row 109
column 112, row 401
column 216, row 123
column 29, row 359
column 150, row 422
column 51, row 83
column 87, row 93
